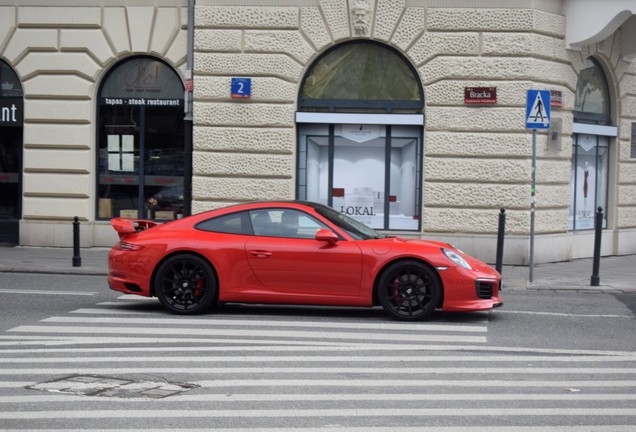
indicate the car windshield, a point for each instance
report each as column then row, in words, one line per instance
column 355, row 229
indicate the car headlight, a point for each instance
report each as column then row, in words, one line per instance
column 456, row 258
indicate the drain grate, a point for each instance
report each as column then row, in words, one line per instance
column 105, row 386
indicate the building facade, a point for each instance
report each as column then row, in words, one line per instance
column 409, row 115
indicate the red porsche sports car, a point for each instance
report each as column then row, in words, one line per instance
column 293, row 253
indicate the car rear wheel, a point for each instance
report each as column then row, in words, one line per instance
column 186, row 285
column 409, row 290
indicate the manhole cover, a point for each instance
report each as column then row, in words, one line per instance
column 96, row 385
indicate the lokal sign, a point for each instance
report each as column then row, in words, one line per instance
column 480, row 95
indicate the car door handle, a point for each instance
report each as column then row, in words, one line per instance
column 260, row 254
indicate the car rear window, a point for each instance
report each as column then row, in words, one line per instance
column 234, row 223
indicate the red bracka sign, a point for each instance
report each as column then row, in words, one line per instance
column 556, row 98
column 480, row 95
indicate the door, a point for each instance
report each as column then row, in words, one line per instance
column 290, row 262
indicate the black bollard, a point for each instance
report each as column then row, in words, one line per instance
column 77, row 259
column 500, row 240
column 598, row 230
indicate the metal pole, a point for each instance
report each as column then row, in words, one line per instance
column 188, row 118
column 598, row 230
column 500, row 240
column 533, row 202
column 77, row 259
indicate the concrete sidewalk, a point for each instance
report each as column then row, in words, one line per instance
column 617, row 274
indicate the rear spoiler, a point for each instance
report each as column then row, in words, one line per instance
column 127, row 226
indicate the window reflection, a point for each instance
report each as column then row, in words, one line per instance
column 592, row 94
column 141, row 142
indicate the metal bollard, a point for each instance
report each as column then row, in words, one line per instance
column 77, row 259
column 500, row 240
column 598, row 230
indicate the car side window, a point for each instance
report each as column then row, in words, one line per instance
column 286, row 223
column 234, row 223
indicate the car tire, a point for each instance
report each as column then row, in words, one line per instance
column 409, row 290
column 186, row 285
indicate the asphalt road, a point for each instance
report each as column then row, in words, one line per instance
column 76, row 356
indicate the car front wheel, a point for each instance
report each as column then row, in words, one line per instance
column 409, row 290
column 186, row 285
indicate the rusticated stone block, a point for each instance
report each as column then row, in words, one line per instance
column 625, row 217
column 387, row 15
column 626, row 195
column 290, row 42
column 477, row 170
column 241, row 189
column 486, row 144
column 337, row 16
column 238, row 114
column 79, row 62
column 261, row 140
column 217, row 40
column 473, row 119
column 66, row 86
column 314, row 27
column 410, row 27
column 246, row 17
column 461, row 220
column 523, row 44
column 78, row 136
column 242, row 164
column 434, row 44
column 60, row 16
column 23, row 41
column 59, row 110
column 476, row 195
column 92, row 41
column 113, row 27
column 498, row 68
column 278, row 65
column 626, row 172
column 522, row 20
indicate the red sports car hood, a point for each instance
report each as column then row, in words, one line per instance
column 431, row 245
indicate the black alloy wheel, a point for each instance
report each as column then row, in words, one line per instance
column 409, row 290
column 186, row 285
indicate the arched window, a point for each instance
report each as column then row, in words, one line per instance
column 11, row 123
column 592, row 102
column 361, row 77
column 141, row 141
column 590, row 146
column 360, row 135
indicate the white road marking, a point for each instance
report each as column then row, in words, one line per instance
column 304, row 413
column 562, row 314
column 272, row 323
column 45, row 292
column 291, row 334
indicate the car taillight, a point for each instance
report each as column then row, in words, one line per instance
column 125, row 246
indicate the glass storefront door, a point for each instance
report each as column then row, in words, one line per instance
column 369, row 172
column 141, row 142
column 11, row 123
column 589, row 182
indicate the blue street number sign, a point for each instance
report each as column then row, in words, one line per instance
column 538, row 109
column 241, row 88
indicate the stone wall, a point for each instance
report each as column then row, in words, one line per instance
column 60, row 55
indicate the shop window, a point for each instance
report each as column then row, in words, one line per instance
column 370, row 169
column 141, row 141
column 590, row 159
column 11, row 124
column 590, row 147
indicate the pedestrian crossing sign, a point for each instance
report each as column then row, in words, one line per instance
column 538, row 109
